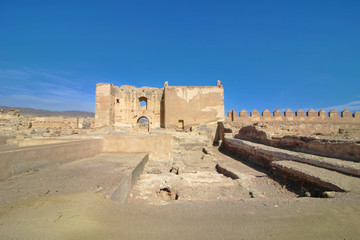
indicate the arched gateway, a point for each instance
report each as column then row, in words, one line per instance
column 143, row 124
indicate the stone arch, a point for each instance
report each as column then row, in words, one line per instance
column 143, row 124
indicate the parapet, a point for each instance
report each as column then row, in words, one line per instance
column 299, row 116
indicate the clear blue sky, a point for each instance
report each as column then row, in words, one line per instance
column 268, row 54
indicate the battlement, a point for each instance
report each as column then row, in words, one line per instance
column 299, row 116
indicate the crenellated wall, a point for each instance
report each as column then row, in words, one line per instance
column 289, row 116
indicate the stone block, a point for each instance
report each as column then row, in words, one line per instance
column 266, row 113
column 333, row 114
column 254, row 113
column 322, row 113
column 311, row 113
column 289, row 113
column 300, row 113
column 243, row 113
column 277, row 113
column 346, row 114
column 356, row 115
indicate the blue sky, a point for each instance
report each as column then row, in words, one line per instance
column 268, row 54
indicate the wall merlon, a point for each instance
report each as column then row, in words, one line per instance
column 254, row 113
column 322, row 113
column 333, row 114
column 346, row 114
column 266, row 113
column 277, row 113
column 356, row 115
column 300, row 113
column 288, row 113
column 311, row 113
column 243, row 113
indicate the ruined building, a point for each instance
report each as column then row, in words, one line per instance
column 172, row 107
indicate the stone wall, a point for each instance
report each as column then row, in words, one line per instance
column 288, row 116
column 158, row 146
column 133, row 103
column 24, row 159
column 12, row 123
column 185, row 106
column 174, row 107
column 19, row 160
column 120, row 108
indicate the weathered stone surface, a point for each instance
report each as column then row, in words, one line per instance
column 251, row 133
column 333, row 114
column 339, row 149
column 347, row 150
column 254, row 113
column 266, row 113
column 322, row 113
column 289, row 113
column 300, row 113
column 327, row 179
column 277, row 113
column 174, row 107
column 263, row 155
column 243, row 113
column 311, row 113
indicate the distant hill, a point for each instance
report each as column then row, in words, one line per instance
column 46, row 113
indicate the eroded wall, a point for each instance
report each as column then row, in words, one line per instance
column 158, row 146
column 104, row 104
column 128, row 109
column 174, row 107
column 187, row 106
column 12, row 123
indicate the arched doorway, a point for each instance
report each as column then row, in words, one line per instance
column 143, row 124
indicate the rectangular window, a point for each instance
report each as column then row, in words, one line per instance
column 181, row 124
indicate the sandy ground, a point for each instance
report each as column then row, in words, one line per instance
column 101, row 174
column 90, row 216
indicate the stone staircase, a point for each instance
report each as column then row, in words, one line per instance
column 321, row 173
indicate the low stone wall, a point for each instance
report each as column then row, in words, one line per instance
column 121, row 193
column 34, row 142
column 346, row 150
column 20, row 160
column 264, row 156
column 158, row 146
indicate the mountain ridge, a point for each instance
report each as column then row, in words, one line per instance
column 48, row 113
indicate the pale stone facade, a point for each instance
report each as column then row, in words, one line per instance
column 172, row 107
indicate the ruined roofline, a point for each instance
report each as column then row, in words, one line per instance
column 166, row 85
column 126, row 86
column 191, row 86
column 218, row 84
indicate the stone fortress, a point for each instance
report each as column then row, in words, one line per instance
column 174, row 144
column 172, row 107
